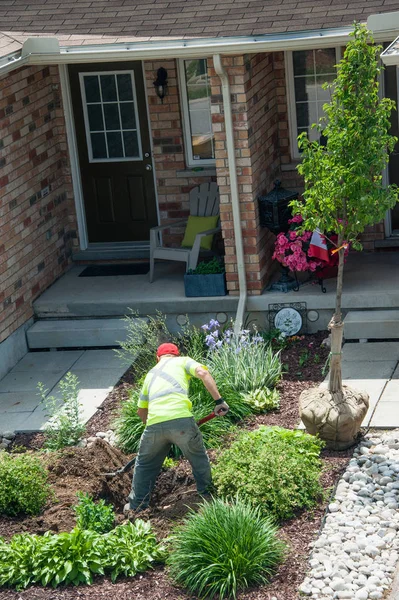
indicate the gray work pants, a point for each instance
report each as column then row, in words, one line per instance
column 155, row 444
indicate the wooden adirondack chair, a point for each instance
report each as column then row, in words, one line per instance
column 204, row 202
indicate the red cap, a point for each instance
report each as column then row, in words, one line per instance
column 167, row 349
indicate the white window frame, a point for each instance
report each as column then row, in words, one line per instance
column 86, row 118
column 291, row 107
column 190, row 161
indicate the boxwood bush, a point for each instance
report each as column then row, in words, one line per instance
column 274, row 468
column 224, row 548
column 23, row 484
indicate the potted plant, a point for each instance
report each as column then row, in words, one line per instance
column 208, row 279
column 296, row 251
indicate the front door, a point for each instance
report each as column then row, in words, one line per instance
column 114, row 151
column 391, row 91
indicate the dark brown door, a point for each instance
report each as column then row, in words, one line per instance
column 114, row 151
column 390, row 74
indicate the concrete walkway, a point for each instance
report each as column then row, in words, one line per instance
column 98, row 371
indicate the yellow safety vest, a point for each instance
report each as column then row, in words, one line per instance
column 165, row 389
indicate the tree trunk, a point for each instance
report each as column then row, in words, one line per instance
column 336, row 327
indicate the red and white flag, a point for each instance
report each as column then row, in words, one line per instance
column 318, row 246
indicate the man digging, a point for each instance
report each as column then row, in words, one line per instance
column 165, row 408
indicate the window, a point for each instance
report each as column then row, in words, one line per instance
column 110, row 114
column 196, row 104
column 307, row 70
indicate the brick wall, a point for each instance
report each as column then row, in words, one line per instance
column 255, row 119
column 37, row 214
column 168, row 146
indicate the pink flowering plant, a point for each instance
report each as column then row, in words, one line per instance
column 292, row 248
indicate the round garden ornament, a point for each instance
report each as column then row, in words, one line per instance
column 288, row 321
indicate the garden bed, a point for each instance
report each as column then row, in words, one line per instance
column 83, row 468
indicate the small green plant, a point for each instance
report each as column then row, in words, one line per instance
column 170, row 463
column 262, row 400
column 23, row 484
column 65, row 427
column 211, row 267
column 273, row 468
column 75, row 557
column 303, row 358
column 223, row 549
column 316, row 358
column 128, row 425
column 96, row 516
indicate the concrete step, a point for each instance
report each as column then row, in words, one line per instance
column 76, row 333
column 372, row 324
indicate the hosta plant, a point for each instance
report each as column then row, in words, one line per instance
column 222, row 549
column 262, row 400
column 76, row 557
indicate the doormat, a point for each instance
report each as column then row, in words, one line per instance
column 113, row 270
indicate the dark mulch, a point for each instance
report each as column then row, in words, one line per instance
column 83, row 469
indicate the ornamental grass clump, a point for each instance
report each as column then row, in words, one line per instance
column 23, row 484
column 241, row 362
column 224, row 548
column 274, row 468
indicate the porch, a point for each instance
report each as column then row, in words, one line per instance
column 371, row 281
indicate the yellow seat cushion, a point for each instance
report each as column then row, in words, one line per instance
column 198, row 225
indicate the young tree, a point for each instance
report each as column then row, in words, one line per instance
column 344, row 193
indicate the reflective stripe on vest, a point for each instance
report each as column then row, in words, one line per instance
column 175, row 385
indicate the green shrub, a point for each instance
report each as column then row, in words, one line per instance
column 23, row 484
column 277, row 469
column 262, row 400
column 73, row 558
column 128, row 425
column 65, row 427
column 209, row 267
column 96, row 516
column 224, row 548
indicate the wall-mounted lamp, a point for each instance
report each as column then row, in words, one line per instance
column 161, row 83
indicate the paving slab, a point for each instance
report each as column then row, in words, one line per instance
column 48, row 361
column 18, row 422
column 396, row 373
column 17, row 402
column 371, row 352
column 101, row 359
column 368, row 370
column 386, row 415
column 391, row 392
column 26, row 381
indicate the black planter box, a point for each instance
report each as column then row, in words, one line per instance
column 205, row 285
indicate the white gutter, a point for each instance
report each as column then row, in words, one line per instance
column 235, row 199
column 191, row 48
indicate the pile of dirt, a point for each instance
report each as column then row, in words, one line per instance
column 70, row 471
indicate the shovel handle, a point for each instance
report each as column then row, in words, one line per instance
column 209, row 417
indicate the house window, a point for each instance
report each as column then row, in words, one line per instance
column 307, row 71
column 110, row 115
column 196, row 105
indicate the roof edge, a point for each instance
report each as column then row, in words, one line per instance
column 190, row 48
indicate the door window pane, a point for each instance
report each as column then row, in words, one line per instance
column 197, row 95
column 110, row 113
column 98, row 145
column 92, row 88
column 115, row 147
column 108, row 88
column 127, row 115
column 131, row 143
column 125, row 88
column 95, row 113
column 312, row 68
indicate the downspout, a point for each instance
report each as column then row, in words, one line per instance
column 235, row 201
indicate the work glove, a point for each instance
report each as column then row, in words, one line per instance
column 221, row 407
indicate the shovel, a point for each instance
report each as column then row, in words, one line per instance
column 131, row 462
